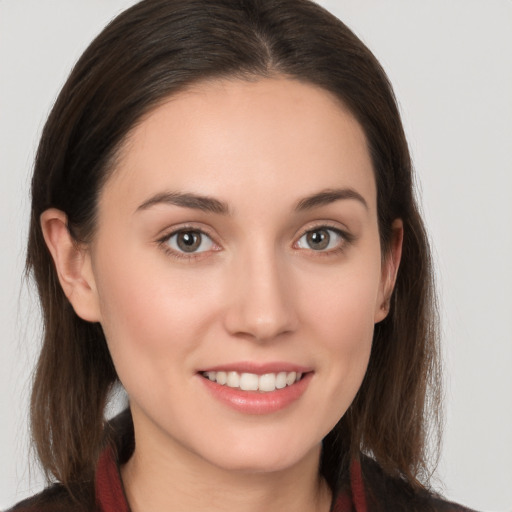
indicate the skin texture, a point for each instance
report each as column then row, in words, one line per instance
column 255, row 291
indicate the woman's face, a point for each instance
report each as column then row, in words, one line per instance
column 237, row 241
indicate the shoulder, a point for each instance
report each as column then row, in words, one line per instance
column 55, row 498
column 385, row 493
column 90, row 496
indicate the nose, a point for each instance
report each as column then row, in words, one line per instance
column 261, row 305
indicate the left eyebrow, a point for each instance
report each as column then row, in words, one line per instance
column 329, row 196
column 187, row 200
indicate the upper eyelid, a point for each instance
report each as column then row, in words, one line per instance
column 343, row 231
column 338, row 232
column 162, row 241
column 168, row 232
column 191, row 226
column 320, row 226
column 166, row 235
column 347, row 238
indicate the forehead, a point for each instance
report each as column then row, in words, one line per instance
column 232, row 136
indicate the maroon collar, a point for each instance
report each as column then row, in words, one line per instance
column 110, row 495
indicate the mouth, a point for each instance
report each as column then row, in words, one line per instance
column 245, row 381
column 257, row 388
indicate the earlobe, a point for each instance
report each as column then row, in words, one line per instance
column 72, row 264
column 390, row 270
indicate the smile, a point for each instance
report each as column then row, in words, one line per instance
column 264, row 392
column 252, row 382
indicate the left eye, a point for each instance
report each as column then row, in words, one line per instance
column 320, row 239
column 190, row 241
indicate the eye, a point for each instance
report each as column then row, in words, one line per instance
column 190, row 241
column 321, row 239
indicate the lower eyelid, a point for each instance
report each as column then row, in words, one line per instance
column 344, row 238
column 205, row 239
column 164, row 242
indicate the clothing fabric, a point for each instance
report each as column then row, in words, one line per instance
column 370, row 490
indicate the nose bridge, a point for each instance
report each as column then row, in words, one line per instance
column 261, row 305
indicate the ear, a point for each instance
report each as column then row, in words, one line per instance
column 72, row 263
column 390, row 266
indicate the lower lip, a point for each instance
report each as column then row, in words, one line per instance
column 256, row 402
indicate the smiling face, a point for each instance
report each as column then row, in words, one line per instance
column 237, row 273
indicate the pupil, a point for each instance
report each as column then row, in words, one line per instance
column 189, row 241
column 318, row 239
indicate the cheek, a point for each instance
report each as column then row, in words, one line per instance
column 342, row 315
column 342, row 303
column 347, row 331
column 150, row 315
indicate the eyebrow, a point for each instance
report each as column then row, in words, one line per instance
column 212, row 205
column 329, row 196
column 187, row 200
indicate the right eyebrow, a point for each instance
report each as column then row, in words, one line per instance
column 187, row 200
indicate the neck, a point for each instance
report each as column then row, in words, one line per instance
column 157, row 479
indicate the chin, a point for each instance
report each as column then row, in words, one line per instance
column 255, row 458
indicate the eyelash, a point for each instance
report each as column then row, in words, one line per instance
column 163, row 242
column 346, row 240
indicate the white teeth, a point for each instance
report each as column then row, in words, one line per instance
column 267, row 382
column 252, row 382
column 233, row 380
column 249, row 382
column 290, row 378
column 281, row 380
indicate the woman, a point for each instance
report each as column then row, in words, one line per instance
column 223, row 221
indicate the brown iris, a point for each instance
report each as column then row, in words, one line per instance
column 318, row 239
column 188, row 241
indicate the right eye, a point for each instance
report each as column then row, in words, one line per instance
column 189, row 241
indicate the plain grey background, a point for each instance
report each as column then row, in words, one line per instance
column 450, row 62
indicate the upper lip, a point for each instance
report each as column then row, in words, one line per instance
column 258, row 368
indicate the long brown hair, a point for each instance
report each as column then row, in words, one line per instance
column 149, row 52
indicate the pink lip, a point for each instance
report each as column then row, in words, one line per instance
column 256, row 402
column 257, row 368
